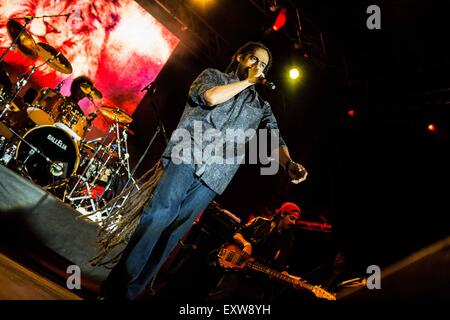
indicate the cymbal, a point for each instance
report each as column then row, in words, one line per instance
column 91, row 91
column 26, row 43
column 54, row 58
column 114, row 113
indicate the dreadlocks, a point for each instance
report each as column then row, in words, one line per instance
column 118, row 227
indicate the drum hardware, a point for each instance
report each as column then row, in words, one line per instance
column 53, row 60
column 109, row 163
column 98, row 173
column 8, row 154
column 91, row 161
column 7, row 151
column 60, row 160
column 116, row 115
column 91, row 91
column 45, row 107
column 59, row 86
column 56, row 168
column 20, row 84
column 17, row 120
column 151, row 89
column 5, row 84
column 22, row 39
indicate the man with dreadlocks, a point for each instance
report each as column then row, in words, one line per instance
column 219, row 101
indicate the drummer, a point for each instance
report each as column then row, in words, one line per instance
column 76, row 94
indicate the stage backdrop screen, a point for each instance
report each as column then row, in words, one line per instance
column 116, row 43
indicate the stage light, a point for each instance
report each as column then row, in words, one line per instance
column 273, row 6
column 294, row 73
column 351, row 113
column 280, row 20
column 431, row 127
column 203, row 3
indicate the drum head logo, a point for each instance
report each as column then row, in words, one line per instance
column 56, row 141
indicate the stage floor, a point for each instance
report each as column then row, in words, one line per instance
column 21, row 283
column 41, row 232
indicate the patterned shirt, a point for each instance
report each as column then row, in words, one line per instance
column 244, row 111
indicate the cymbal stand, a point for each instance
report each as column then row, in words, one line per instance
column 28, row 20
column 124, row 163
column 98, row 172
column 151, row 89
column 89, row 196
column 124, row 198
column 91, row 161
column 120, row 145
column 20, row 84
column 12, row 46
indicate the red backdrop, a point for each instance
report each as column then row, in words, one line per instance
column 116, row 43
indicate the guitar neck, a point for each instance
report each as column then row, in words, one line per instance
column 278, row 275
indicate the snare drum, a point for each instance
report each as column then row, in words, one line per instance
column 56, row 145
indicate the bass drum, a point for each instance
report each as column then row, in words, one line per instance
column 57, row 146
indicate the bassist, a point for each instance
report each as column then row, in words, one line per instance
column 270, row 240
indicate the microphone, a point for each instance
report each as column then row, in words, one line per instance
column 267, row 83
column 59, row 86
column 150, row 87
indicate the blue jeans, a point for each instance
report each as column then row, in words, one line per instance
column 177, row 201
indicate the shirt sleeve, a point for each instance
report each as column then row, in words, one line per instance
column 269, row 122
column 246, row 230
column 208, row 79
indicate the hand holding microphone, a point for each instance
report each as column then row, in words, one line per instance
column 267, row 83
column 254, row 76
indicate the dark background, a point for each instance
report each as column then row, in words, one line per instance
column 380, row 178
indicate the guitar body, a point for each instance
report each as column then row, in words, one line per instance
column 230, row 256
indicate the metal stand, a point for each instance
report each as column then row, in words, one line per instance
column 16, row 39
column 160, row 128
column 101, row 166
column 12, row 46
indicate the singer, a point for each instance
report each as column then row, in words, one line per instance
column 220, row 101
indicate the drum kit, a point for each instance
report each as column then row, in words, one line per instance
column 45, row 139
